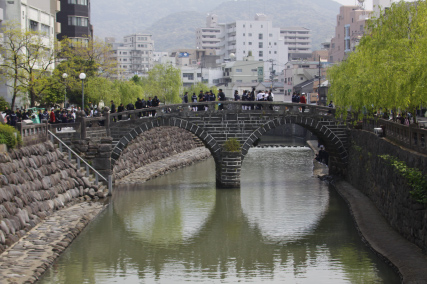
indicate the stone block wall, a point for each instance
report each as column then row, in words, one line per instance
column 385, row 187
column 153, row 145
column 97, row 153
column 35, row 181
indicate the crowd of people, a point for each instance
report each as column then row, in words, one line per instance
column 143, row 104
column 58, row 115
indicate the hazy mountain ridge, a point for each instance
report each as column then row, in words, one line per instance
column 177, row 30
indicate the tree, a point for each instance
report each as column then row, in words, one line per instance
column 164, row 81
column 28, row 59
column 91, row 57
column 387, row 70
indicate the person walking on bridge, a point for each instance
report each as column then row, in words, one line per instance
column 302, row 100
column 221, row 98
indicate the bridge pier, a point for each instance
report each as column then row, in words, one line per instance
column 228, row 167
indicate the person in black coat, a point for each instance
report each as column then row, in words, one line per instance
column 121, row 108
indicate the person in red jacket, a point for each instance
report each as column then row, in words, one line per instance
column 52, row 116
column 302, row 100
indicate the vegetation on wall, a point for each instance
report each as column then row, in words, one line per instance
column 232, row 145
column 9, row 136
column 415, row 178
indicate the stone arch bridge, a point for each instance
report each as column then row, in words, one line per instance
column 214, row 127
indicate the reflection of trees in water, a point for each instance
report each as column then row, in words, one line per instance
column 226, row 243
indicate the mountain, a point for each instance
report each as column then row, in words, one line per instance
column 175, row 28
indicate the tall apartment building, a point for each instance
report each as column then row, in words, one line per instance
column 36, row 15
column 350, row 28
column 208, row 38
column 75, row 20
column 134, row 55
column 298, row 40
column 379, row 5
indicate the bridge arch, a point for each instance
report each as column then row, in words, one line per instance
column 198, row 131
column 323, row 129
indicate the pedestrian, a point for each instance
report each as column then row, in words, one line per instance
column 221, row 98
column 244, row 99
column 121, row 108
column 236, row 96
column 302, row 100
column 113, row 110
column 185, row 98
column 194, row 100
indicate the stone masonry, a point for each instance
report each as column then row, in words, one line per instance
column 385, row 187
column 34, row 182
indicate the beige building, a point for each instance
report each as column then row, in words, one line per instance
column 134, row 55
column 350, row 28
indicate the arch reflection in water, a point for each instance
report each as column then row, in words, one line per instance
column 288, row 202
column 225, row 236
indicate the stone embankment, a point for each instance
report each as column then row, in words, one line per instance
column 153, row 145
column 34, row 182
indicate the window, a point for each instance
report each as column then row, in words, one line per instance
column 260, row 44
column 275, row 52
column 77, row 21
column 262, row 26
column 259, row 36
column 244, row 34
column 34, row 26
column 260, row 54
column 250, row 43
column 249, row 34
column 275, row 43
column 239, row 70
column 270, row 35
column 301, row 78
column 189, row 76
column 269, row 52
column 45, row 29
column 79, row 2
column 239, row 81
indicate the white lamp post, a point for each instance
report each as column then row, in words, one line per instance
column 65, row 76
column 82, row 77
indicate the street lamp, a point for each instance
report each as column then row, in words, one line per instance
column 82, row 77
column 65, row 76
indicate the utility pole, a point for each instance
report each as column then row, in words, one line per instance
column 318, row 87
column 272, row 73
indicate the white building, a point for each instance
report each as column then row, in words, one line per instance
column 379, row 5
column 298, row 40
column 135, row 55
column 239, row 39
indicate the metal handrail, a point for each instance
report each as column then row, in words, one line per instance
column 79, row 159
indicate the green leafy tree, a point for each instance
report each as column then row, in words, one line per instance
column 387, row 70
column 164, row 81
column 28, row 59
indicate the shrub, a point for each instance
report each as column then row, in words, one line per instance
column 232, row 145
column 9, row 136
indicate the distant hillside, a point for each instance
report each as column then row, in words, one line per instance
column 119, row 18
column 177, row 29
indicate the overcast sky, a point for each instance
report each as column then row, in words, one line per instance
column 368, row 3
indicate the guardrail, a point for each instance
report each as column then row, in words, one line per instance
column 80, row 160
column 410, row 136
column 215, row 106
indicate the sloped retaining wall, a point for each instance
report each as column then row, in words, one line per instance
column 35, row 181
column 388, row 190
column 153, row 145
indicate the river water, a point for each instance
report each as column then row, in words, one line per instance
column 283, row 225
